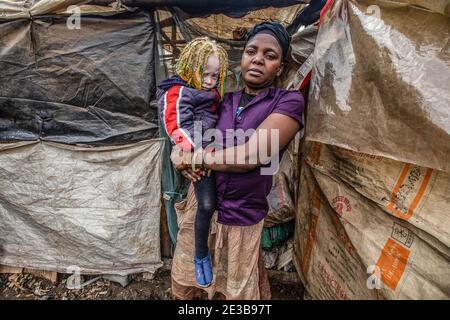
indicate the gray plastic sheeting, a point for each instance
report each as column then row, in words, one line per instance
column 70, row 208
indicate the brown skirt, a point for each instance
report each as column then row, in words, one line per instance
column 239, row 272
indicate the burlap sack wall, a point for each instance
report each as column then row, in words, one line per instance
column 283, row 195
column 374, row 225
column 362, row 217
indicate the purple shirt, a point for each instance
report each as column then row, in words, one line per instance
column 242, row 197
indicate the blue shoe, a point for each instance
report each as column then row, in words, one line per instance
column 203, row 278
column 207, row 269
column 199, row 276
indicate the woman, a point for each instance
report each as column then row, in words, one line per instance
column 241, row 188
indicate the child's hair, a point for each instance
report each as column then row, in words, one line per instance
column 192, row 62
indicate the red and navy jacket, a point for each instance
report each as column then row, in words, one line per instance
column 180, row 107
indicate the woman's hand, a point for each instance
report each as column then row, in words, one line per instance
column 194, row 176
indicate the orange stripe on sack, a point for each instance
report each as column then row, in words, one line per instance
column 423, row 185
column 315, row 203
column 316, row 148
column 391, row 205
column 420, row 193
column 392, row 263
column 309, row 244
column 316, row 199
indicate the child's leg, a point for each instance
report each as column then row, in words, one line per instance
column 205, row 192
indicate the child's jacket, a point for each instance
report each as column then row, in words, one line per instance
column 180, row 107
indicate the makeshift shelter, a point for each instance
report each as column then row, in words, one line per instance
column 84, row 163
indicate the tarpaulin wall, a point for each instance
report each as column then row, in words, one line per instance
column 85, row 190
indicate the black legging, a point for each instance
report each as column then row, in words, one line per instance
column 205, row 192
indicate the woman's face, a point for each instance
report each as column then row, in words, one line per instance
column 261, row 61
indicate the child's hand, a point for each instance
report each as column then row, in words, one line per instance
column 181, row 159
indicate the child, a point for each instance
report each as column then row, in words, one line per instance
column 194, row 95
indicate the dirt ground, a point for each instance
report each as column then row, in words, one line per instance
column 30, row 287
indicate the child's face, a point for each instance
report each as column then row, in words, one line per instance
column 211, row 73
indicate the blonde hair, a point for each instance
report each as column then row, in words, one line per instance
column 193, row 59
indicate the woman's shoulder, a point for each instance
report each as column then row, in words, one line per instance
column 291, row 95
column 289, row 103
column 294, row 98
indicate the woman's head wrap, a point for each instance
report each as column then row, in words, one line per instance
column 276, row 30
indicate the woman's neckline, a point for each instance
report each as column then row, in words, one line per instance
column 253, row 93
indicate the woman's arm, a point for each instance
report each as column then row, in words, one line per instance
column 258, row 149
